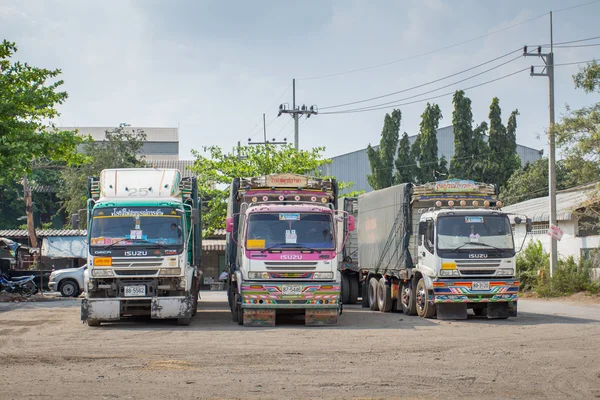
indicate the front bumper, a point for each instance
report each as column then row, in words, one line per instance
column 461, row 291
column 53, row 286
column 158, row 307
column 319, row 295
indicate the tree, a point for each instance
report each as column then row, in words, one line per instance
column 479, row 153
column 443, row 169
column 382, row 159
column 588, row 78
column 503, row 159
column 28, row 103
column 216, row 171
column 428, row 149
column 531, row 181
column 405, row 162
column 121, row 149
column 462, row 125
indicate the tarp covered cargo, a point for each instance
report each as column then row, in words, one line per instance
column 64, row 247
column 384, row 228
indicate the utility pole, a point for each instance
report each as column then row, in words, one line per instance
column 265, row 136
column 296, row 112
column 548, row 71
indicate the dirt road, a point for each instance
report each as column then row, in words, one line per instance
column 551, row 351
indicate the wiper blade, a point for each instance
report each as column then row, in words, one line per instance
column 160, row 245
column 477, row 243
column 287, row 245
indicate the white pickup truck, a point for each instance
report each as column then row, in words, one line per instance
column 69, row 281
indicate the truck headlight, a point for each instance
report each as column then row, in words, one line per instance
column 323, row 275
column 99, row 273
column 170, row 271
column 449, row 272
column 258, row 275
column 505, row 271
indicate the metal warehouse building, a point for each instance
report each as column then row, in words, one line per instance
column 354, row 167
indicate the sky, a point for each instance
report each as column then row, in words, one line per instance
column 212, row 68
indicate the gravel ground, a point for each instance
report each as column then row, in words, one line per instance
column 551, row 351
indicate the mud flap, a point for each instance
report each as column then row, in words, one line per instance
column 499, row 310
column 451, row 311
column 103, row 310
column 172, row 307
column 258, row 316
column 317, row 317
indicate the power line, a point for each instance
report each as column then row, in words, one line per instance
column 282, row 128
column 270, row 122
column 578, row 45
column 425, row 53
column 576, row 6
column 382, row 106
column 436, row 80
column 570, row 63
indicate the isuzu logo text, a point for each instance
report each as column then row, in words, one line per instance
column 132, row 253
column 291, row 257
column 478, row 255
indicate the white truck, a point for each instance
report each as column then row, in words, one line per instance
column 144, row 241
column 438, row 249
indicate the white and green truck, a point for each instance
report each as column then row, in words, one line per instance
column 144, row 246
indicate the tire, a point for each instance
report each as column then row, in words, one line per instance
column 239, row 311
column 479, row 312
column 234, row 307
column 424, row 308
column 184, row 321
column 365, row 295
column 93, row 322
column 373, row 283
column 69, row 288
column 384, row 296
column 354, row 289
column 195, row 293
column 28, row 289
column 407, row 299
column 345, row 289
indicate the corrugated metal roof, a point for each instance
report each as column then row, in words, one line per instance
column 567, row 201
column 98, row 133
column 182, row 165
column 217, row 245
column 23, row 233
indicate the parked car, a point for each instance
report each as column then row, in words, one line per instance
column 69, row 282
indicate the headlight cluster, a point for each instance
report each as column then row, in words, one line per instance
column 258, row 275
column 323, row 275
column 99, row 273
column 170, row 271
column 505, row 271
column 449, row 272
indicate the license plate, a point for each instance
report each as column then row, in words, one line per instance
column 480, row 286
column 291, row 290
column 135, row 291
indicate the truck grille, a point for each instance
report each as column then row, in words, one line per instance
column 478, row 272
column 129, row 272
column 477, row 267
column 276, row 266
column 137, row 262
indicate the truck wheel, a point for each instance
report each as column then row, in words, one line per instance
column 234, row 308
column 345, row 289
column 195, row 293
column 407, row 299
column 353, row 289
column 384, row 296
column 373, row 283
column 184, row 321
column 424, row 308
column 365, row 295
column 238, row 314
column 69, row 288
column 93, row 322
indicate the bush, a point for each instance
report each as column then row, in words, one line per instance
column 533, row 265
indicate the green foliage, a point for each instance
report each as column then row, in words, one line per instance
column 382, row 159
column 479, row 153
column 29, row 99
column 428, row 148
column 531, row 181
column 462, row 123
column 533, row 266
column 503, row 158
column 216, row 171
column 588, row 78
column 405, row 162
column 121, row 149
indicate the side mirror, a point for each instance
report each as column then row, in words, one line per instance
column 528, row 225
column 195, row 216
column 229, row 225
column 518, row 220
column 351, row 223
column 422, row 227
column 75, row 221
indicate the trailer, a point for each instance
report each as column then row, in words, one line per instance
column 351, row 274
column 438, row 249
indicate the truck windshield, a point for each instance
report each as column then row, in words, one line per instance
column 310, row 230
column 470, row 231
column 134, row 226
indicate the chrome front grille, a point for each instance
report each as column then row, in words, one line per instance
column 137, row 262
column 477, row 267
column 130, row 272
column 291, row 266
